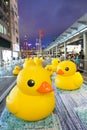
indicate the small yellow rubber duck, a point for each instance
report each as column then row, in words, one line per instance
column 49, row 69
column 53, row 66
column 67, row 78
column 16, row 70
column 33, row 98
column 55, row 62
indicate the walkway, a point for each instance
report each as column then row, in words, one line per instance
column 70, row 113
column 71, row 107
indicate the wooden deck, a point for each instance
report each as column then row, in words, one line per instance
column 67, row 102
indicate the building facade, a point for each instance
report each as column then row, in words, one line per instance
column 14, row 28
column 9, row 32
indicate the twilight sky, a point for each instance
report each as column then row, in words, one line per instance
column 53, row 16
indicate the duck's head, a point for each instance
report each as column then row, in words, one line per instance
column 55, row 61
column 38, row 61
column 28, row 63
column 66, row 68
column 49, row 69
column 17, row 68
column 34, row 81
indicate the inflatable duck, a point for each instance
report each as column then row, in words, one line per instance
column 38, row 61
column 67, row 78
column 55, row 62
column 27, row 62
column 49, row 69
column 33, row 97
column 53, row 66
column 16, row 70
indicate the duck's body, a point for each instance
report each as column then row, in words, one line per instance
column 69, row 82
column 28, row 107
column 67, row 78
column 32, row 98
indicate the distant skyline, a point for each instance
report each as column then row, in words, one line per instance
column 53, row 16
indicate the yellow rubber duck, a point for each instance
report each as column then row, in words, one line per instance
column 49, row 69
column 53, row 66
column 28, row 62
column 55, row 62
column 16, row 70
column 38, row 61
column 67, row 78
column 33, row 98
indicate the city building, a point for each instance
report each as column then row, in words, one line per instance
column 14, row 28
column 9, row 32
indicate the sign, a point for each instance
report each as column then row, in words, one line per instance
column 74, row 48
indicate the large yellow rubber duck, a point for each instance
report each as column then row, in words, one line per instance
column 38, row 61
column 33, row 97
column 67, row 78
column 28, row 62
column 16, row 70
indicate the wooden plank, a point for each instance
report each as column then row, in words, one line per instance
column 72, row 114
column 66, row 102
column 66, row 122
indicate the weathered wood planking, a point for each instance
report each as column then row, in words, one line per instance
column 80, row 99
column 66, row 122
column 72, row 114
column 65, row 104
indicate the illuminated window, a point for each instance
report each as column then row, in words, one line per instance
column 5, row 31
column 1, row 28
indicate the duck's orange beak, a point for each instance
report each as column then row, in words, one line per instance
column 17, row 69
column 45, row 88
column 59, row 72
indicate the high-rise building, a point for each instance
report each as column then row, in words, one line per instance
column 9, row 29
column 14, row 27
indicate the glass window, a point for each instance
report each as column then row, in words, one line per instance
column 5, row 31
column 1, row 28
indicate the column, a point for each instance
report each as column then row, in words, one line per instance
column 85, row 45
column 1, row 56
column 49, row 52
column 64, row 50
column 85, row 50
column 52, row 51
column 56, row 51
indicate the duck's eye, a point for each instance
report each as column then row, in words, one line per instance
column 31, row 83
column 67, row 68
